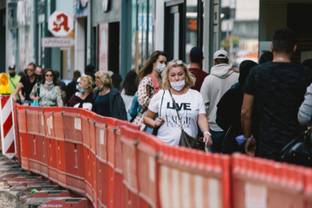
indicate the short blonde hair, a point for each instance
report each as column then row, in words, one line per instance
column 89, row 82
column 104, row 78
column 189, row 77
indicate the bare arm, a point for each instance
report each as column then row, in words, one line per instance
column 149, row 119
column 246, row 114
column 18, row 92
column 203, row 125
column 33, row 95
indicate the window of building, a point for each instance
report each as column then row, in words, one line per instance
column 142, row 30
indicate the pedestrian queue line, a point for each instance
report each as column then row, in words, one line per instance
column 115, row 165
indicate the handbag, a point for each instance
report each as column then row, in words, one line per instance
column 155, row 130
column 185, row 139
column 298, row 151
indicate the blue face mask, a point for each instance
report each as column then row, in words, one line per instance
column 178, row 86
column 80, row 89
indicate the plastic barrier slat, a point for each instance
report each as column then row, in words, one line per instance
column 266, row 183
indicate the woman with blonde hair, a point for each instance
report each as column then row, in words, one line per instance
column 178, row 108
column 84, row 97
column 107, row 100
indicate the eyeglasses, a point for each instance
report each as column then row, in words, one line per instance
column 49, row 75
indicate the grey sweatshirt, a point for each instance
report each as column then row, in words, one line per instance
column 305, row 110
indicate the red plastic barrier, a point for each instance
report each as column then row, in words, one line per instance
column 308, row 188
column 266, row 183
column 115, row 165
column 189, row 178
column 88, row 129
column 129, row 142
column 23, row 136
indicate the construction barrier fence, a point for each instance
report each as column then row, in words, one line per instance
column 115, row 165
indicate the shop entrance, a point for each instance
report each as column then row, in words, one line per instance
column 293, row 14
column 174, row 30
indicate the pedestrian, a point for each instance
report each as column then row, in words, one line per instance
column 220, row 80
column 71, row 88
column 61, row 84
column 107, row 100
column 47, row 93
column 177, row 107
column 196, row 67
column 229, row 111
column 13, row 79
column 266, row 56
column 84, row 97
column 39, row 72
column 116, row 80
column 129, row 89
column 26, row 84
column 272, row 96
column 150, row 83
column 90, row 70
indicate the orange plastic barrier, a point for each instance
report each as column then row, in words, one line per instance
column 115, row 165
column 266, row 183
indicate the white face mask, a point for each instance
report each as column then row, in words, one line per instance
column 160, row 68
column 49, row 82
column 178, row 86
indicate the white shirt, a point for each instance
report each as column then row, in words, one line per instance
column 190, row 104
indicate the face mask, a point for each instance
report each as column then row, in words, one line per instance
column 80, row 89
column 12, row 74
column 178, row 86
column 160, row 68
column 49, row 82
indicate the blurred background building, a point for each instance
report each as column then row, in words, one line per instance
column 120, row 35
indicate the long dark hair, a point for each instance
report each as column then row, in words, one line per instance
column 131, row 82
column 148, row 66
column 53, row 73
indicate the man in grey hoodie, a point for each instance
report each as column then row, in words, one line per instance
column 220, row 80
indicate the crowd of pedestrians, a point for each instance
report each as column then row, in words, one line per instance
column 256, row 110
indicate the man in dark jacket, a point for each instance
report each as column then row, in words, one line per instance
column 229, row 110
column 71, row 88
column 274, row 91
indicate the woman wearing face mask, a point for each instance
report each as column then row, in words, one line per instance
column 177, row 106
column 47, row 93
column 150, row 79
column 83, row 98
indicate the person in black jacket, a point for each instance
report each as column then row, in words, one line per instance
column 107, row 100
column 229, row 111
column 71, row 88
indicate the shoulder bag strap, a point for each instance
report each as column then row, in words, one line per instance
column 161, row 102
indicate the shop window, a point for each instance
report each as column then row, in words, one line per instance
column 142, row 30
column 239, row 29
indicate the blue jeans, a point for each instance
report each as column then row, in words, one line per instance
column 217, row 141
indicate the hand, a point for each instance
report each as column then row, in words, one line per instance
column 207, row 138
column 250, row 146
column 14, row 98
column 158, row 122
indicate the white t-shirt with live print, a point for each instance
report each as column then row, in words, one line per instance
column 189, row 104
